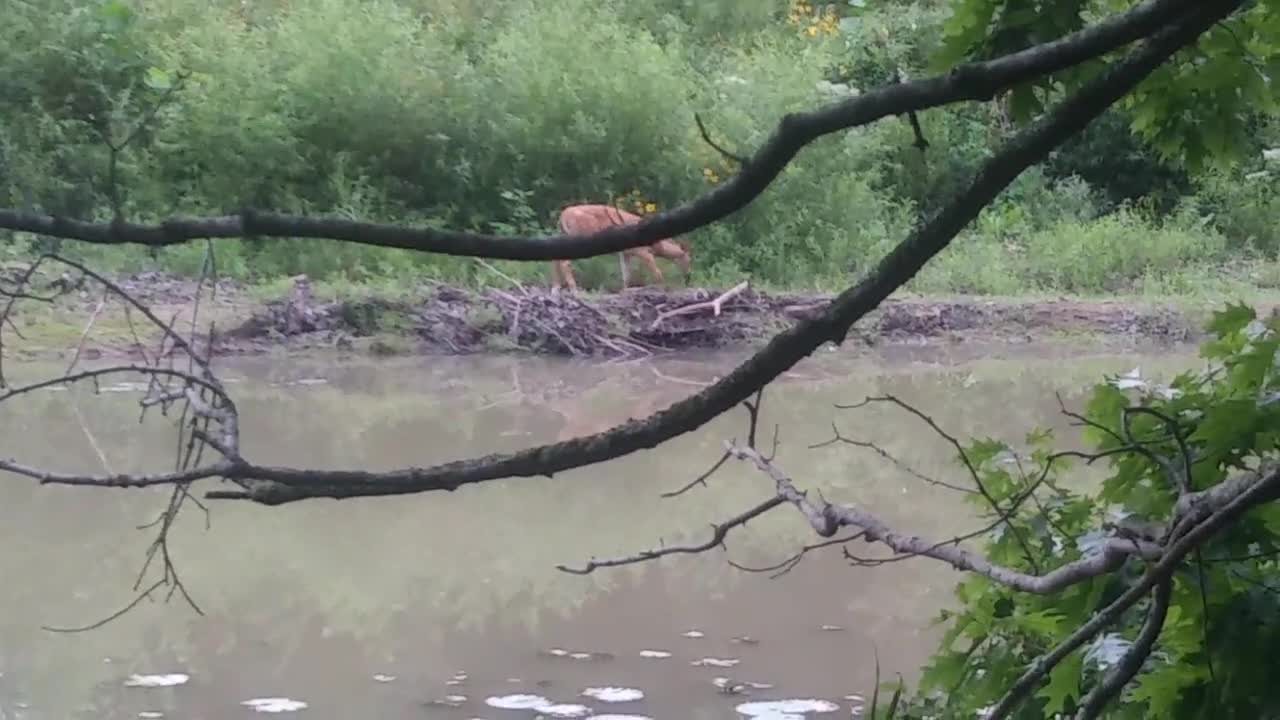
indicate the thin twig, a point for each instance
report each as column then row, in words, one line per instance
column 706, row 137
column 144, row 595
column 787, row 565
column 968, row 463
column 838, row 438
column 718, row 534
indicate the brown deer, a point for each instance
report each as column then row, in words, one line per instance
column 587, row 219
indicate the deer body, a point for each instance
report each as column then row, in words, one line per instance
column 587, row 219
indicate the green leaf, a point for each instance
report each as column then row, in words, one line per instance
column 1063, row 685
column 1231, row 320
column 1040, row 437
column 981, row 452
column 963, row 32
column 1024, row 104
column 944, row 671
column 158, row 79
column 1043, row 622
column 1161, row 689
column 1105, row 409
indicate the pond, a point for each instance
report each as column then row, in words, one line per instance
column 380, row 607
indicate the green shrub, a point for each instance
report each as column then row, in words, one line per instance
column 492, row 116
column 1244, row 203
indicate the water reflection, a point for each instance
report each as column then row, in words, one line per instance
column 377, row 608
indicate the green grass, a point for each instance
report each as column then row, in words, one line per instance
column 1115, row 258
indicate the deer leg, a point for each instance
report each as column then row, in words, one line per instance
column 624, row 264
column 562, row 275
column 654, row 271
column 570, row 280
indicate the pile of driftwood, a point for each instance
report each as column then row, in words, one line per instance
column 639, row 322
column 634, row 323
column 631, row 324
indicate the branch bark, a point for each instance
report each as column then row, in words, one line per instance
column 826, row 519
column 1131, row 663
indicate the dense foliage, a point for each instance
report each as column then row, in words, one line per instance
column 1212, row 657
column 494, row 115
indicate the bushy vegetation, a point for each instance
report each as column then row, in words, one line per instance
column 1214, row 643
column 493, row 115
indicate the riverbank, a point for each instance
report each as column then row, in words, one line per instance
column 443, row 319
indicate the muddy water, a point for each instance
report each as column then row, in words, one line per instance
column 367, row 609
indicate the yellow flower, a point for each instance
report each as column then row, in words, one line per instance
column 650, row 207
column 811, row 30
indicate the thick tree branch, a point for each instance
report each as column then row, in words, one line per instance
column 976, row 81
column 826, row 519
column 1025, row 149
column 1131, row 663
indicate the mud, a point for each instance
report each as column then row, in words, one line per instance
column 646, row 321
column 636, row 323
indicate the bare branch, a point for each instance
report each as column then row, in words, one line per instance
column 753, row 415
column 718, row 534
column 839, row 438
column 826, row 518
column 964, row 457
column 715, row 305
column 118, row 480
column 753, row 421
column 88, row 328
column 144, row 595
column 174, row 337
column 145, row 370
column 706, row 137
column 786, row 566
column 700, row 480
column 13, row 297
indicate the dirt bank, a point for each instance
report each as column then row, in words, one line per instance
column 635, row 323
column 645, row 321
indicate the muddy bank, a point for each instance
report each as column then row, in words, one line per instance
column 646, row 321
column 636, row 323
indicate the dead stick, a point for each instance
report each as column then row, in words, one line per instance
column 713, row 304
